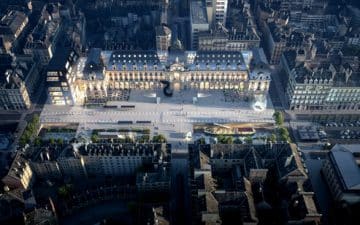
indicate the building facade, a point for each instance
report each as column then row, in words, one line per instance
column 121, row 159
column 221, row 39
column 20, row 174
column 18, row 83
column 41, row 43
column 124, row 70
column 155, row 182
column 163, row 38
column 198, row 22
column 275, row 42
column 105, row 159
column 60, row 77
column 12, row 26
column 342, row 174
column 322, row 86
column 220, row 8
column 228, row 180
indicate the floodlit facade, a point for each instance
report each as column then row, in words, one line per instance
column 59, row 77
column 124, row 70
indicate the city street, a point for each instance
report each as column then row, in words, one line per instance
column 277, row 90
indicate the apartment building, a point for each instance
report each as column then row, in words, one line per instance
column 18, row 83
column 342, row 173
column 320, row 84
column 228, row 183
column 12, row 27
column 41, row 42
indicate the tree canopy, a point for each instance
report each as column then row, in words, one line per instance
column 279, row 118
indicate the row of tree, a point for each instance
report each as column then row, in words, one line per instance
column 283, row 133
column 30, row 131
column 141, row 139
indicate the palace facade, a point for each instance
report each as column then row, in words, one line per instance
column 103, row 73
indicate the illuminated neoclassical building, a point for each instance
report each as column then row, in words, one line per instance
column 102, row 72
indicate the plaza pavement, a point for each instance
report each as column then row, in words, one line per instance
column 173, row 117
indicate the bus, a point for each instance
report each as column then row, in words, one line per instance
column 110, row 106
column 143, row 121
column 128, row 106
column 125, row 122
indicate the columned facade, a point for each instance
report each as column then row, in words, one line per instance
column 185, row 79
column 147, row 70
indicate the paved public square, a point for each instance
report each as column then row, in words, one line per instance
column 173, row 116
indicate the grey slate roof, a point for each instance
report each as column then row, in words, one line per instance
column 347, row 169
column 191, row 60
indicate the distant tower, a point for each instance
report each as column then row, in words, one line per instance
column 163, row 38
column 198, row 22
column 220, row 8
column 164, row 12
column 216, row 11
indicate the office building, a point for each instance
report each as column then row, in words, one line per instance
column 60, row 77
column 198, row 22
column 320, row 84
